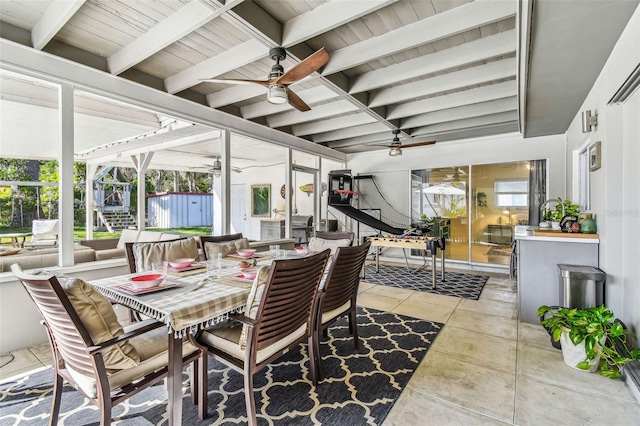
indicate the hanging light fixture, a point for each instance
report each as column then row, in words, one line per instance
column 277, row 94
column 394, row 151
column 217, row 168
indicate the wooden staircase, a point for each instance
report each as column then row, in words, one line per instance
column 115, row 221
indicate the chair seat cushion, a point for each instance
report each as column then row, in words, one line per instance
column 97, row 315
column 152, row 348
column 226, row 339
column 329, row 315
column 225, row 248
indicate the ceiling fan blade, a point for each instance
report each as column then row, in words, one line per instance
column 237, row 81
column 310, row 64
column 296, row 102
column 423, row 143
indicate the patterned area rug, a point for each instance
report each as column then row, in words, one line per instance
column 360, row 387
column 467, row 286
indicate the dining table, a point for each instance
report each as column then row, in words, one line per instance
column 186, row 301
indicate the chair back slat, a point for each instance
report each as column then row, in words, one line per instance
column 67, row 330
column 344, row 276
column 289, row 298
column 217, row 239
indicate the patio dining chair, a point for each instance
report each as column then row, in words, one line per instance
column 336, row 235
column 279, row 315
column 225, row 244
column 141, row 256
column 106, row 362
column 338, row 293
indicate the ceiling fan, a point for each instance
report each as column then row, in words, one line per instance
column 216, row 168
column 278, row 91
column 395, row 148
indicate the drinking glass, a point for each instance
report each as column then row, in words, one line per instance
column 274, row 250
column 159, row 267
column 214, row 266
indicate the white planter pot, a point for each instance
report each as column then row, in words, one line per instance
column 575, row 354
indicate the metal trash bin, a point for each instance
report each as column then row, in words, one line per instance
column 581, row 286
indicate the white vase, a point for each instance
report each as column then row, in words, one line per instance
column 555, row 225
column 575, row 354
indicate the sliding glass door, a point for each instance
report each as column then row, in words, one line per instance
column 473, row 207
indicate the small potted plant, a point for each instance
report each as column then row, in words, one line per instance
column 588, row 336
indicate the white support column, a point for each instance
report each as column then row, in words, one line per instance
column 141, row 163
column 225, row 201
column 317, row 194
column 91, row 170
column 65, row 185
column 288, row 181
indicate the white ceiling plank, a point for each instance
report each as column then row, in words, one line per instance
column 58, row 13
column 188, row 140
column 317, row 113
column 474, row 51
column 465, row 97
column 231, row 59
column 310, row 96
column 332, row 124
column 466, row 123
column 467, row 111
column 327, row 17
column 234, row 94
column 362, row 140
column 445, row 82
column 451, row 22
column 186, row 20
column 352, row 132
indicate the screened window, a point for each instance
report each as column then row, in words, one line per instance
column 511, row 193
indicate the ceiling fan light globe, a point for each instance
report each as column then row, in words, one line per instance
column 394, row 151
column 277, row 94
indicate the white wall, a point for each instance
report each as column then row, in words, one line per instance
column 615, row 186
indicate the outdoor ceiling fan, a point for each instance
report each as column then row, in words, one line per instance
column 395, row 148
column 277, row 84
column 216, row 169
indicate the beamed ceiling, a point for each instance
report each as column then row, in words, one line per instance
column 435, row 69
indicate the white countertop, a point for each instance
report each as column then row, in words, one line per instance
column 558, row 239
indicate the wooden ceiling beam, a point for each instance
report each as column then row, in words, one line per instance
column 352, row 132
column 326, row 17
column 457, row 56
column 465, row 97
column 439, row 26
column 318, row 113
column 185, row 20
column 465, row 124
column 333, row 124
column 56, row 16
column 310, row 96
column 458, row 113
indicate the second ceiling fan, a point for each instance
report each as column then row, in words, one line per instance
column 277, row 84
column 395, row 148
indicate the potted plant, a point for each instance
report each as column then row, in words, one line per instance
column 594, row 334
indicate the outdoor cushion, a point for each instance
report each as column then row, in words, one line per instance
column 147, row 253
column 253, row 302
column 319, row 244
column 226, row 248
column 97, row 315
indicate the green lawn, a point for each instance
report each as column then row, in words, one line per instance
column 79, row 233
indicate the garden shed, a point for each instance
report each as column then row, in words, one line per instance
column 179, row 209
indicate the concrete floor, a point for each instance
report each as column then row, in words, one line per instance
column 485, row 367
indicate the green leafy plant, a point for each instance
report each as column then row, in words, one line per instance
column 591, row 325
column 570, row 209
